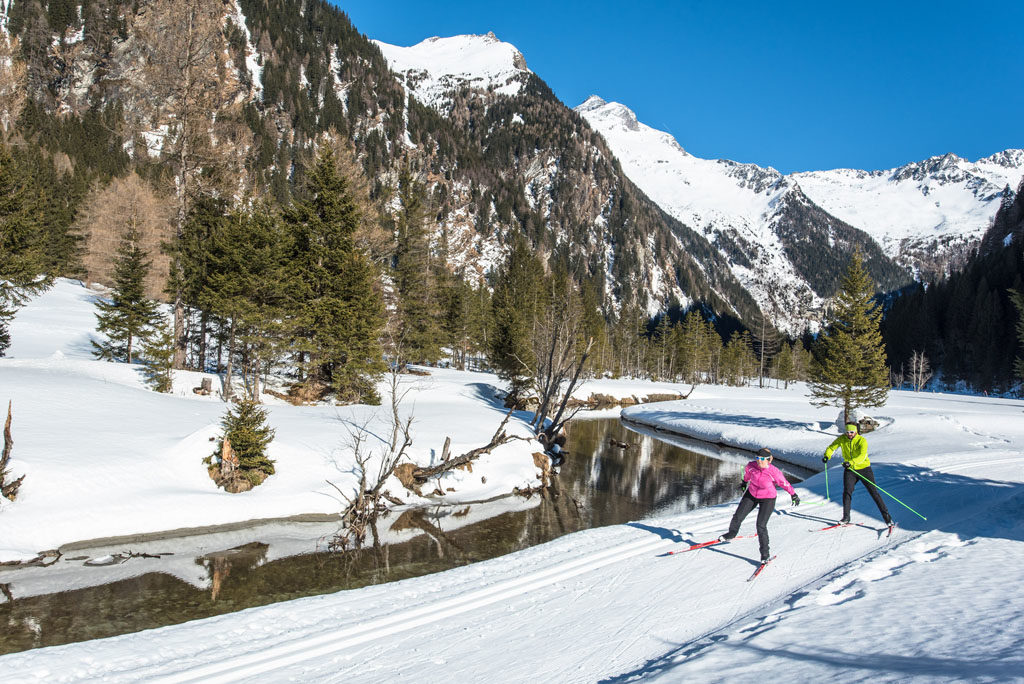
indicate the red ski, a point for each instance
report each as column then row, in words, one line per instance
column 760, row 568
column 694, row 547
column 842, row 524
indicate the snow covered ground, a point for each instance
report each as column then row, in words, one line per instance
column 939, row 601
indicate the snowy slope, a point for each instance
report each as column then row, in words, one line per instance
column 93, row 441
column 936, row 602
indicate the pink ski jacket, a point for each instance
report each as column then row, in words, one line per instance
column 763, row 481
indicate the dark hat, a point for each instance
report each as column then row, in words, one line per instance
column 765, row 452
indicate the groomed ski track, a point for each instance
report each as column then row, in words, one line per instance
column 426, row 630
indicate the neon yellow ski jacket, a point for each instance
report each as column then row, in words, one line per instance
column 855, row 451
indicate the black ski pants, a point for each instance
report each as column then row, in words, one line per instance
column 764, row 511
column 850, row 480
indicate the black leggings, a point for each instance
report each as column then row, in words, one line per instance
column 764, row 511
column 850, row 480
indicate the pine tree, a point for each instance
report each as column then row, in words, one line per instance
column 158, row 351
column 22, row 244
column 1018, row 301
column 245, row 427
column 783, row 366
column 128, row 316
column 418, row 305
column 690, row 347
column 766, row 344
column 850, row 367
column 516, row 304
column 245, row 290
column 337, row 312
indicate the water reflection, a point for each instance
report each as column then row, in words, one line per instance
column 613, row 475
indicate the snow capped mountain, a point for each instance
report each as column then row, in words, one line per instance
column 941, row 204
column 483, row 85
column 925, row 215
column 435, row 67
column 785, row 238
column 734, row 205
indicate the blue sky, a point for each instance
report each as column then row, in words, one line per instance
column 796, row 85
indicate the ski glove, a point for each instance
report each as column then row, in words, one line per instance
column 743, row 487
column 824, row 459
column 846, row 464
column 796, row 500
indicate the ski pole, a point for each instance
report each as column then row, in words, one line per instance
column 826, row 482
column 885, row 492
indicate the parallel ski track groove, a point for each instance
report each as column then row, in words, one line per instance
column 307, row 648
column 310, row 647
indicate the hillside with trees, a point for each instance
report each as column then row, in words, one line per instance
column 966, row 325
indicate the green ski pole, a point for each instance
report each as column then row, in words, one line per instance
column 826, row 482
column 886, row 493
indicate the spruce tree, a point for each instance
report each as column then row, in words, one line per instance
column 1018, row 301
column 158, row 351
column 245, row 427
column 128, row 316
column 418, row 301
column 516, row 304
column 336, row 315
column 456, row 302
column 245, row 288
column 22, row 244
column 850, row 367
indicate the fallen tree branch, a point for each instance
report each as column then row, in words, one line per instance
column 421, row 475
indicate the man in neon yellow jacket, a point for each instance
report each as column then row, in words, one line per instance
column 855, row 463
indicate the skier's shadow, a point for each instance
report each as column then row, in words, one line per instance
column 663, row 532
column 677, row 536
column 805, row 516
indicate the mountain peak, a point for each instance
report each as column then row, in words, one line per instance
column 438, row 65
column 622, row 115
column 592, row 102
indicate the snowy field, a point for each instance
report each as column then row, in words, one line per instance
column 938, row 601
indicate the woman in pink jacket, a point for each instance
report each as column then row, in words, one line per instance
column 760, row 478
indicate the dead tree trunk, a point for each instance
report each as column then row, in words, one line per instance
column 9, row 490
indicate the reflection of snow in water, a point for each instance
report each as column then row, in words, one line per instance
column 182, row 557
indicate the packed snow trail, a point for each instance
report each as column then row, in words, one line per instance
column 575, row 599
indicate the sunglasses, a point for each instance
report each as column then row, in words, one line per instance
column 764, row 458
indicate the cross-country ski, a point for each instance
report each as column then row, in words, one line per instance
column 703, row 545
column 760, row 568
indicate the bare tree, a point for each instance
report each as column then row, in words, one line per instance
column 193, row 97
column 766, row 344
column 13, row 77
column 125, row 204
column 920, row 370
column 561, row 359
column 369, row 500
